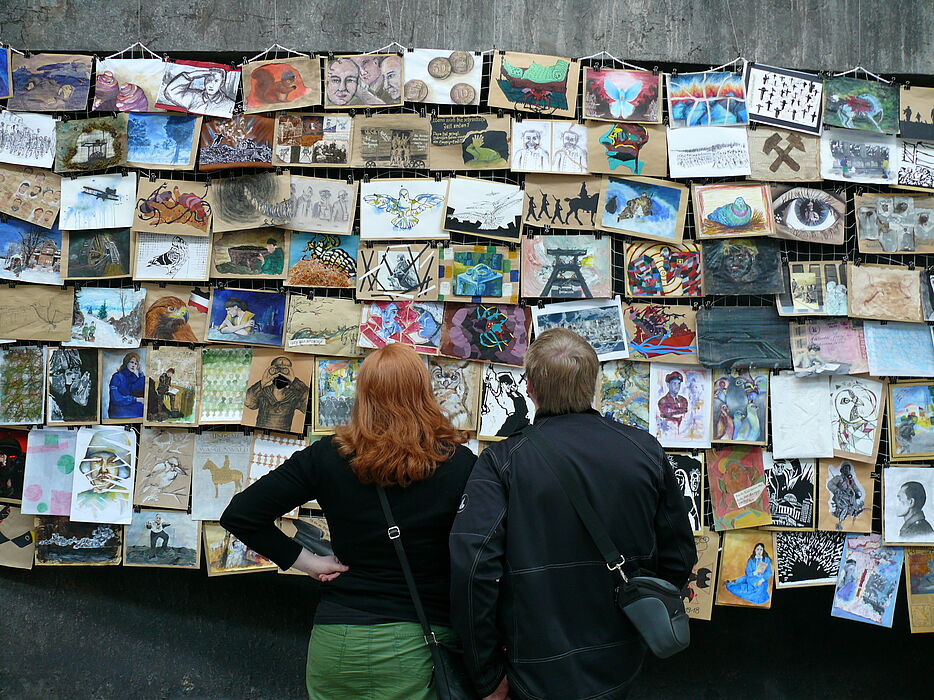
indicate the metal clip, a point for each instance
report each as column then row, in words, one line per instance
column 618, row 567
column 394, row 532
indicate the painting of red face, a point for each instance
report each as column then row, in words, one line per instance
column 281, row 84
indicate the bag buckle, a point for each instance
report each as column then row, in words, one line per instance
column 618, row 567
column 430, row 639
column 394, row 532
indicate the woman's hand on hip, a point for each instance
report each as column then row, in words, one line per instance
column 319, row 568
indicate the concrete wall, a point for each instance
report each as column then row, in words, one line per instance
column 882, row 35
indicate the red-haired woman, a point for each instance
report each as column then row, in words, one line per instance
column 366, row 640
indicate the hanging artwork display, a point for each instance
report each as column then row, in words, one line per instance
column 747, row 570
column 83, row 145
column 277, row 391
column 6, row 73
column 570, row 267
column 884, row 292
column 127, row 84
column 49, row 471
column 173, row 206
column 281, row 83
column 30, row 253
column 867, row 581
column 17, row 543
column 258, row 253
column 13, row 444
column 246, row 316
column 742, row 266
column 164, row 257
column 225, row 554
column 624, row 392
column 813, row 288
column 93, row 255
column 391, row 141
column 689, row 472
column 162, row 539
column 456, row 385
column 699, row 593
column 312, row 140
column 417, row 324
column 335, row 391
column 792, row 487
column 505, row 406
column 807, row 558
column 479, row 272
column 887, row 223
column 854, row 103
column 738, row 492
column 73, row 380
column 165, row 141
column 50, row 82
column 905, row 507
column 740, row 406
column 549, row 146
column 123, row 385
column 163, row 474
column 657, row 270
column 801, row 410
column 561, row 201
column 225, row 372
column 911, row 435
column 487, row 332
column 711, row 98
column 173, row 386
column 737, row 336
column 623, row 148
column 371, row 79
column 915, row 118
column 107, row 317
column 858, row 403
column 919, row 566
column 29, row 194
column 484, row 208
column 199, row 87
column 401, row 271
column 732, row 210
column 899, row 349
column 615, row 94
column 243, row 141
column 534, row 83
column 322, row 260
column 323, row 326
column 679, row 405
column 321, row 205
column 826, row 346
column 61, row 542
column 250, row 201
column 915, row 164
column 105, row 464
column 655, row 332
column 442, row 77
column 785, row 98
column 643, row 207
column 857, row 156
column 845, row 495
column 29, row 312
column 34, row 144
column 221, row 466
column 22, row 385
column 399, row 208
column 708, row 151
column 98, row 201
column 599, row 322
column 780, row 155
column 470, row 142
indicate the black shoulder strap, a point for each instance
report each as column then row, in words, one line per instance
column 395, row 535
column 575, row 493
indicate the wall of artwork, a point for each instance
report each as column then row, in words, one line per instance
column 199, row 254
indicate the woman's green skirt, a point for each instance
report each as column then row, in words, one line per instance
column 371, row 662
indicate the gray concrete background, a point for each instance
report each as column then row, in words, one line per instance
column 881, row 35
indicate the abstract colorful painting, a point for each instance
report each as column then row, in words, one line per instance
column 867, row 581
column 600, row 323
column 732, row 210
column 162, row 539
column 853, row 103
column 335, row 391
column 247, row 316
column 643, row 207
column 323, row 326
column 372, row 79
column 322, row 260
column 6, row 73
column 417, row 324
column 808, row 214
column 127, row 84
column 679, row 405
column 624, row 392
column 105, row 467
column 661, row 333
column 98, row 201
column 570, row 267
column 407, row 209
column 711, row 98
column 243, row 141
column 534, row 83
column 49, row 472
column 442, row 77
column 623, row 148
column 29, row 253
column 30, row 194
column 487, row 273
column 281, row 83
column 615, row 94
column 50, row 82
column 657, row 270
column 740, row 406
column 738, row 493
column 747, row 570
column 312, row 140
column 224, row 376
column 505, row 406
column 488, row 332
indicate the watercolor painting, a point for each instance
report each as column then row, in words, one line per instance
column 624, row 392
column 50, row 82
column 335, row 391
column 417, row 324
column 742, row 266
column 107, row 317
column 561, row 201
column 13, row 444
column 224, row 376
column 711, row 98
column 847, row 492
column 49, row 471
column 657, row 270
column 899, row 349
column 808, row 214
column 456, row 385
column 852, row 155
column 408, row 209
column 312, row 140
column 487, row 332
column 73, row 387
column 470, row 142
column 162, row 539
column 322, row 260
column 442, row 77
column 740, row 406
column 570, row 267
column 738, row 493
column 785, row 98
column 534, row 83
column 103, row 254
column 221, row 466
column 27, row 139
column 251, row 201
column 867, row 581
column 884, row 292
column 173, row 386
column 199, row 87
column 176, row 312
column 708, row 151
column 281, row 83
column 747, row 570
column 505, row 406
column 732, row 210
column 622, row 95
column 22, row 385
column 243, row 141
column 127, row 84
column 600, row 323
column 372, row 79
column 105, row 467
column 657, row 332
column 479, row 272
column 679, row 405
column 98, row 201
column 30, row 253
column 911, row 433
column 247, row 316
column 258, row 253
column 163, row 472
column 323, row 326
column 6, row 73
column 792, row 485
column 123, row 385
column 484, row 208
column 225, row 554
column 322, row 205
column 30, row 194
column 400, row 271
column 828, row 346
column 807, row 558
column 173, row 206
column 853, row 103
column 627, row 149
column 277, row 390
column 643, row 207
column 60, row 542
column 83, row 145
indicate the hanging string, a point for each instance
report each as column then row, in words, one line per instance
column 739, row 59
column 392, row 44
column 860, row 69
column 10, row 47
column 729, row 9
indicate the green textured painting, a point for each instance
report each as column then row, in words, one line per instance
column 22, row 384
column 224, row 374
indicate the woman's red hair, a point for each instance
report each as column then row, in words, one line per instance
column 397, row 433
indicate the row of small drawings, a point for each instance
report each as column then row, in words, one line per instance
column 541, row 84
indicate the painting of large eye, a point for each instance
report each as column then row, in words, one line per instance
column 806, row 209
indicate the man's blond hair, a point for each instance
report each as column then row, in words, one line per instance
column 562, row 368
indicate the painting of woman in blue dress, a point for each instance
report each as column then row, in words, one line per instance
column 756, row 585
column 126, row 389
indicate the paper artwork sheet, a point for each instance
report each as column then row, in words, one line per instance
column 105, row 467
column 825, row 346
column 802, row 417
column 163, row 473
column 807, row 558
column 600, row 323
column 747, row 570
column 221, row 467
column 739, row 494
column 171, row 257
column 30, row 194
column 27, row 139
column 29, row 253
column 98, row 201
column 49, row 472
column 224, row 375
column 708, row 151
column 442, row 77
column 785, row 98
column 679, row 405
column 846, row 493
column 867, row 581
column 792, row 486
column 505, row 406
column 906, row 509
column 624, row 392
column 127, row 84
column 699, row 593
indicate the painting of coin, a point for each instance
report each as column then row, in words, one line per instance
column 463, row 94
column 439, row 68
column 415, row 91
column 461, row 62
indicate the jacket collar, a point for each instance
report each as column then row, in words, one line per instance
column 539, row 415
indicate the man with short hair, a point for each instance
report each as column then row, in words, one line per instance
column 532, row 598
column 910, row 501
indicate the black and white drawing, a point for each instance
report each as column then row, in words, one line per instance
column 505, row 406
column 322, row 206
column 708, row 151
column 27, row 139
column 200, row 88
column 73, row 381
column 853, row 155
column 689, row 471
column 547, row 146
column 792, row 487
column 908, row 509
column 484, row 208
column 915, row 164
column 786, row 98
column 165, row 256
column 403, row 271
column 598, row 322
column 251, row 201
column 456, row 384
column 807, row 558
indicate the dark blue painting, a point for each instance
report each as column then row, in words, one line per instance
column 247, row 316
